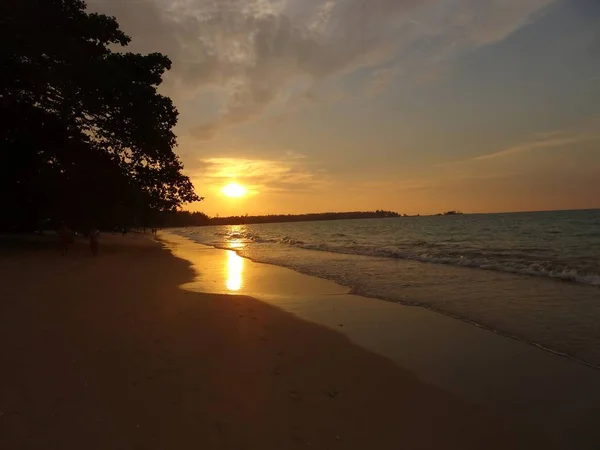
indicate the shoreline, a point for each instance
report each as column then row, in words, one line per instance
column 109, row 352
column 350, row 291
column 493, row 369
column 489, row 329
column 502, row 302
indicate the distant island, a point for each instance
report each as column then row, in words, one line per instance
column 450, row 213
column 186, row 218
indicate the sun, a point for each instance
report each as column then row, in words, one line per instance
column 234, row 190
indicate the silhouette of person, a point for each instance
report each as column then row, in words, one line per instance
column 64, row 236
column 94, row 234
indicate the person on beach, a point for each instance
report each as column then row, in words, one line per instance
column 94, row 234
column 64, row 237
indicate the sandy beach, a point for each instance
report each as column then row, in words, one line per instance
column 547, row 393
column 273, row 225
column 109, row 352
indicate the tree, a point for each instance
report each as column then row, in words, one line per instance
column 83, row 130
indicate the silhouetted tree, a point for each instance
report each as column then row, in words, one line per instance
column 83, row 131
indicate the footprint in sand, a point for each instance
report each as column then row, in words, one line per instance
column 332, row 393
column 294, row 395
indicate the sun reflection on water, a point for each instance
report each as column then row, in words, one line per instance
column 235, row 269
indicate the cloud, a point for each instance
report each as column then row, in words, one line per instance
column 545, row 140
column 289, row 175
column 483, row 22
column 381, row 79
column 204, row 132
column 253, row 48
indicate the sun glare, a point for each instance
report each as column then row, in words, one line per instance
column 235, row 268
column 234, row 190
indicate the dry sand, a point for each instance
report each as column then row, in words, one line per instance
column 108, row 353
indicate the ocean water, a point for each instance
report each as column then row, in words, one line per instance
column 532, row 276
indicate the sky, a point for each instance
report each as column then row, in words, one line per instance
column 416, row 106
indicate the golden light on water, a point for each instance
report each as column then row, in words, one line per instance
column 234, row 190
column 235, row 269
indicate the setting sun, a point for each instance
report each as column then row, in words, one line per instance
column 234, row 190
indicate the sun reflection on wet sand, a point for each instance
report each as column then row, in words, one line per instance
column 235, row 269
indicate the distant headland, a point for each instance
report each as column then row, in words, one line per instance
column 186, row 218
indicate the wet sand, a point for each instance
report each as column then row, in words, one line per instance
column 551, row 395
column 109, row 352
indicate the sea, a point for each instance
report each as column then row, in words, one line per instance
column 532, row 276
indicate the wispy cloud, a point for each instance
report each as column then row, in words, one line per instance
column 252, row 48
column 381, row 79
column 544, row 141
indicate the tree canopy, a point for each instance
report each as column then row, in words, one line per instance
column 84, row 134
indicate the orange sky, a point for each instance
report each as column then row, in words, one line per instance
column 417, row 107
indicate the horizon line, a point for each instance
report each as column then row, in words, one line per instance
column 402, row 214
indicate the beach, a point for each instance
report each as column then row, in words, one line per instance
column 378, row 225
column 109, row 352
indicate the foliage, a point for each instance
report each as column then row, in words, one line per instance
column 84, row 133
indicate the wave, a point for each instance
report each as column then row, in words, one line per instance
column 496, row 259
column 540, row 269
column 247, row 237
